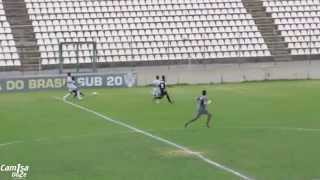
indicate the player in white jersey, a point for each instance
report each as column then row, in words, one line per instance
column 163, row 92
column 156, row 89
column 72, row 88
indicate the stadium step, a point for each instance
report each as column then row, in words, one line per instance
column 275, row 42
column 23, row 34
column 30, row 67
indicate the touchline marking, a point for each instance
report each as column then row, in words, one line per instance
column 252, row 128
column 276, row 128
column 187, row 150
column 9, row 143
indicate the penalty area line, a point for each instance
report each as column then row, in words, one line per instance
column 185, row 149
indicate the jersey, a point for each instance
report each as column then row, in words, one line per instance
column 202, row 104
column 156, row 89
column 156, row 83
column 162, row 87
column 71, row 84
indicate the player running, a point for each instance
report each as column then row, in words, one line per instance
column 202, row 109
column 163, row 90
column 156, row 88
column 72, row 88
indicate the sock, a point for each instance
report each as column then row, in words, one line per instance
column 78, row 95
column 66, row 96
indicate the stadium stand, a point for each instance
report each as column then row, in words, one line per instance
column 23, row 34
column 146, row 30
column 276, row 44
column 298, row 22
column 160, row 31
column 8, row 50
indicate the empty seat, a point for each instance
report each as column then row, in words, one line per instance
column 297, row 21
column 118, row 25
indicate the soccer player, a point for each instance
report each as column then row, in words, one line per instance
column 163, row 89
column 202, row 109
column 72, row 88
column 156, row 89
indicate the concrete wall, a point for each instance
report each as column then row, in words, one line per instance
column 220, row 73
column 213, row 73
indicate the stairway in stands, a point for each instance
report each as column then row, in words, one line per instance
column 275, row 42
column 23, row 33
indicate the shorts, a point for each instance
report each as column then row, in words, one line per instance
column 163, row 93
column 156, row 92
column 201, row 112
column 72, row 88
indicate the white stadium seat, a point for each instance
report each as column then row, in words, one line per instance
column 111, row 22
column 298, row 22
column 8, row 51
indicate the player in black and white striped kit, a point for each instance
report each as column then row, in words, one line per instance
column 163, row 90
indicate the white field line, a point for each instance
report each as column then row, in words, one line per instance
column 276, row 128
column 10, row 143
column 249, row 127
column 187, row 150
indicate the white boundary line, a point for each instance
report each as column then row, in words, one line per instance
column 275, row 128
column 253, row 128
column 9, row 143
column 185, row 149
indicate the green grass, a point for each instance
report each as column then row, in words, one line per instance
column 249, row 133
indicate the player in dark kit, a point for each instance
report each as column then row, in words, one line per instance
column 202, row 109
column 163, row 90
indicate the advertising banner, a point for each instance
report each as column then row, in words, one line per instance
column 58, row 82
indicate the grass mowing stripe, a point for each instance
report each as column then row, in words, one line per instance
column 171, row 129
column 187, row 150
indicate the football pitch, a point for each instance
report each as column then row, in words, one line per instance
column 263, row 131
